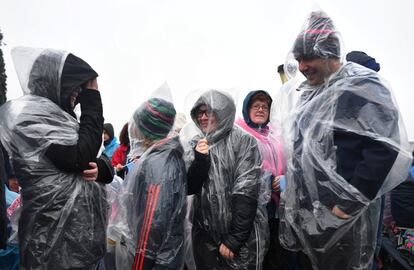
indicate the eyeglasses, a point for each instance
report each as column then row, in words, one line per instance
column 200, row 113
column 258, row 107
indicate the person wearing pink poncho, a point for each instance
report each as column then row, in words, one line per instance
column 256, row 110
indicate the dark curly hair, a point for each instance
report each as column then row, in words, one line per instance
column 124, row 136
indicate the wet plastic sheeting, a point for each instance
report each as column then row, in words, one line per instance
column 149, row 212
column 235, row 170
column 353, row 102
column 62, row 223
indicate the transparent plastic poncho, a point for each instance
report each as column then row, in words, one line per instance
column 148, row 226
column 235, row 170
column 351, row 114
column 62, row 222
column 273, row 161
column 286, row 98
column 270, row 146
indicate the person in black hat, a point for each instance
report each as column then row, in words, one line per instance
column 363, row 59
column 63, row 214
column 317, row 49
column 110, row 141
column 346, row 139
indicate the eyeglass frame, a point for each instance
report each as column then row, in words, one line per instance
column 200, row 113
column 264, row 108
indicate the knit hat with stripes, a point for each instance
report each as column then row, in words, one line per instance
column 318, row 38
column 155, row 118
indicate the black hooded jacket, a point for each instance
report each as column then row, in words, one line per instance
column 63, row 217
column 76, row 158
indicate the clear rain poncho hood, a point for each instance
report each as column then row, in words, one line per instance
column 63, row 221
column 224, row 109
column 234, row 172
column 51, row 74
column 348, row 147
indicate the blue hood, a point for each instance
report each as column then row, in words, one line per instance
column 246, row 105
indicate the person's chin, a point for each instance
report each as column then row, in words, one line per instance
column 310, row 76
column 259, row 121
column 314, row 80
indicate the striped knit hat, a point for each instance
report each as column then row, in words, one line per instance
column 155, row 118
column 319, row 38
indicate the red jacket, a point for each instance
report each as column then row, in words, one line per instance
column 119, row 156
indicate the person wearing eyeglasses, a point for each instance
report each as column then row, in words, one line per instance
column 229, row 227
column 256, row 111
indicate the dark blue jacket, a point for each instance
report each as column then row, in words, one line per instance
column 362, row 161
column 402, row 203
column 156, row 206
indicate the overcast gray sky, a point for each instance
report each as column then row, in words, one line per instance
column 136, row 45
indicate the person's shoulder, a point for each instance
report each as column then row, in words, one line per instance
column 367, row 84
column 357, row 74
column 164, row 156
column 114, row 142
column 168, row 146
column 28, row 104
column 175, row 148
column 241, row 137
column 27, row 111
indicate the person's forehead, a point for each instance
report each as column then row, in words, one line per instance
column 309, row 58
column 259, row 101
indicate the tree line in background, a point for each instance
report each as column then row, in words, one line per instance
column 3, row 85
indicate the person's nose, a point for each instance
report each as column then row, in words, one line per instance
column 302, row 66
column 204, row 116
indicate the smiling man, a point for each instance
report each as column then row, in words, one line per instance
column 348, row 148
column 317, row 70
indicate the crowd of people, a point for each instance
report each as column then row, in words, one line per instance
column 316, row 178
